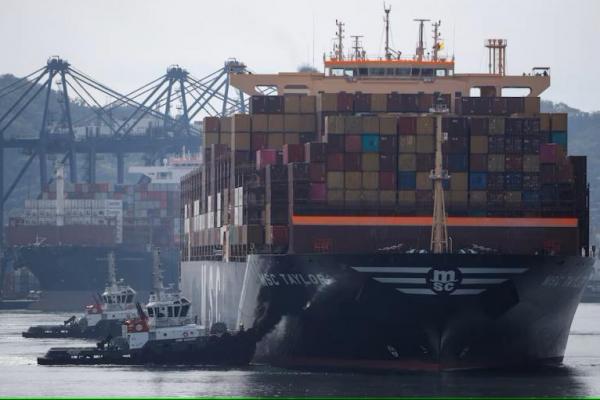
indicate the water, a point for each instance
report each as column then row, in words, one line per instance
column 21, row 376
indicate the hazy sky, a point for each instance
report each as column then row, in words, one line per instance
column 126, row 43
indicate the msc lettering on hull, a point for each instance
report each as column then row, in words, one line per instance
column 293, row 279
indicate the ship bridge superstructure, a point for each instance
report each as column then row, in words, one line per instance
column 429, row 70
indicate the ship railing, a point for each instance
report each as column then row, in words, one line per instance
column 371, row 57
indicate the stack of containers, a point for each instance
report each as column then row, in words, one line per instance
column 388, row 156
column 315, row 155
column 413, row 162
column 276, row 203
column 479, row 149
column 456, row 161
column 558, row 130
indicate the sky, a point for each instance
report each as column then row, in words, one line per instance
column 127, row 43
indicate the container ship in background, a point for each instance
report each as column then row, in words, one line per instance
column 314, row 219
column 61, row 241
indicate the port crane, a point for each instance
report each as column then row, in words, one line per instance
column 107, row 121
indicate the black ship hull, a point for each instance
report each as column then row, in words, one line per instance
column 228, row 350
column 433, row 312
column 70, row 275
column 101, row 330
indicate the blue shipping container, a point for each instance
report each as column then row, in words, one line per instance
column 457, row 162
column 407, row 180
column 559, row 138
column 478, row 181
column 370, row 143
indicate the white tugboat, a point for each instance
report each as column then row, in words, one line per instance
column 163, row 334
column 115, row 305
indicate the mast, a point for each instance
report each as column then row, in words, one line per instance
column 420, row 47
column 112, row 275
column 439, row 228
column 358, row 53
column 388, row 53
column 339, row 35
column 436, row 39
column 156, row 273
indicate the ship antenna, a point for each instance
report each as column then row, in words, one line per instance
column 436, row 39
column 420, row 46
column 388, row 54
column 439, row 228
column 339, row 35
column 112, row 275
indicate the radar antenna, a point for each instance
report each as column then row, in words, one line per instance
column 439, row 228
column 359, row 53
column 420, row 47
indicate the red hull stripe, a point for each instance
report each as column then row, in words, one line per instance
column 525, row 222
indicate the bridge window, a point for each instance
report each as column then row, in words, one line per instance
column 337, row 72
column 184, row 310
column 515, row 92
column 169, row 311
column 377, row 71
column 176, row 311
column 440, row 72
column 427, row 72
column 363, row 71
column 389, row 71
column 129, row 298
column 415, row 72
column 348, row 72
column 403, row 71
column 150, row 312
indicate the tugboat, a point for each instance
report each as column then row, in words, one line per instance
column 105, row 317
column 164, row 334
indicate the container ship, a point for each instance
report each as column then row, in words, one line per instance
column 390, row 213
column 62, row 239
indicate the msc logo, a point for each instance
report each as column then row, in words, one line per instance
column 443, row 281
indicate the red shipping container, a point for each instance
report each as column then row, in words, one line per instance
column 335, row 162
column 279, row 235
column 345, row 102
column 315, row 152
column 258, row 141
column 407, row 125
column 352, row 161
column 317, row 172
column 318, row 191
column 265, row 157
column 353, row 144
column 513, row 163
column 550, row 153
column 387, row 180
column 293, row 153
